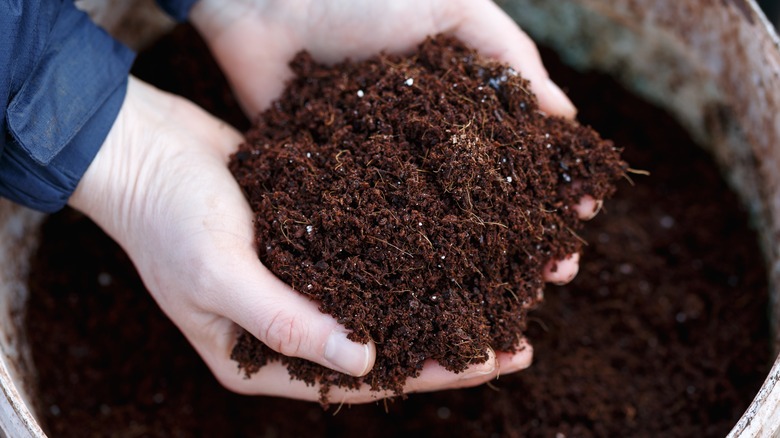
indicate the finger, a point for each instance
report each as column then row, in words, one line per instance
column 513, row 362
column 287, row 321
column 563, row 271
column 271, row 74
column 435, row 377
column 491, row 31
column 221, row 136
column 588, row 207
column 274, row 379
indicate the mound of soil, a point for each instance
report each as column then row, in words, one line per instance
column 664, row 332
column 417, row 199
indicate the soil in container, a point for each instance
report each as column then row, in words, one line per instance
column 663, row 333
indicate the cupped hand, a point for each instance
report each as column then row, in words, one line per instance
column 161, row 188
column 254, row 40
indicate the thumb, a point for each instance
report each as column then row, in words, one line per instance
column 288, row 322
column 495, row 34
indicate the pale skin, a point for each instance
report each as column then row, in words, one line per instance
column 161, row 188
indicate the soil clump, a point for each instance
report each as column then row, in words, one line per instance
column 417, row 199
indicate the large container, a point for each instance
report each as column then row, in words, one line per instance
column 714, row 64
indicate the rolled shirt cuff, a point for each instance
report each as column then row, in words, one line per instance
column 63, row 112
column 179, row 10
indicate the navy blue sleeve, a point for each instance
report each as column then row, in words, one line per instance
column 177, row 9
column 62, row 83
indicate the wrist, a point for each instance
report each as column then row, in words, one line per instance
column 112, row 183
column 158, row 144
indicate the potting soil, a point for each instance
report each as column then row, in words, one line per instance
column 417, row 199
column 663, row 333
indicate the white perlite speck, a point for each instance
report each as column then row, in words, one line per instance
column 409, row 82
column 360, row 93
column 104, row 279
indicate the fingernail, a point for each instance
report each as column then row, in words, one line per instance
column 347, row 356
column 597, row 207
column 566, row 108
column 570, row 264
column 482, row 369
column 523, row 358
column 597, row 204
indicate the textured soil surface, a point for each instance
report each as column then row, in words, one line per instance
column 663, row 333
column 417, row 199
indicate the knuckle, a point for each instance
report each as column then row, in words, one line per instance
column 284, row 334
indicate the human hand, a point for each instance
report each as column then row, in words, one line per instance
column 161, row 188
column 254, row 40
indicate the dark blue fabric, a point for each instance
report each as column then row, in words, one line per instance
column 62, row 82
column 179, row 10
